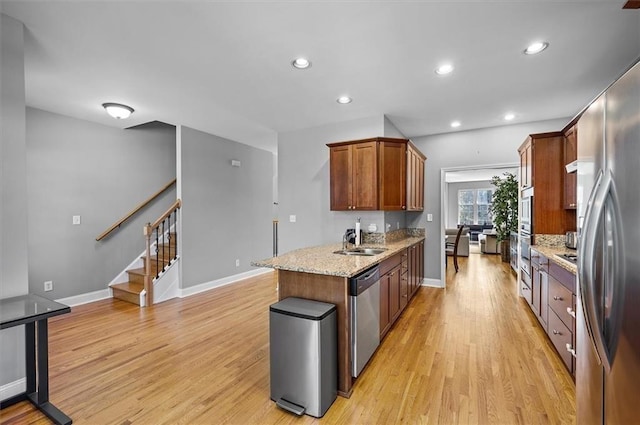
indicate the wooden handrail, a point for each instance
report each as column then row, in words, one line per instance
column 140, row 206
column 176, row 205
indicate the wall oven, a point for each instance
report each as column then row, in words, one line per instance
column 525, row 255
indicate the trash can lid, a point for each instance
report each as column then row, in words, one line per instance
column 303, row 308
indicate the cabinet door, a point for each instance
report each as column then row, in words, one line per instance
column 535, row 289
column 415, row 180
column 420, row 185
column 404, row 290
column 544, row 298
column 570, row 179
column 420, row 263
column 384, row 305
column 394, row 293
column 364, row 176
column 340, row 177
column 393, row 176
column 526, row 165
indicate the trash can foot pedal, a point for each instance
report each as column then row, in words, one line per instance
column 290, row 407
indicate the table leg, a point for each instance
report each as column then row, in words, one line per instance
column 43, row 362
column 30, row 356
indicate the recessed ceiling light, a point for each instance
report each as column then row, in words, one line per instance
column 509, row 116
column 455, row 124
column 444, row 69
column 536, row 47
column 343, row 100
column 117, row 110
column 301, row 63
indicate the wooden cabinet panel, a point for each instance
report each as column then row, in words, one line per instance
column 415, row 179
column 375, row 174
column 561, row 301
column 394, row 293
column 393, row 176
column 561, row 335
column 525, row 164
column 570, row 154
column 385, row 319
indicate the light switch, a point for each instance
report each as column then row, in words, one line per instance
column 76, row 219
column 292, row 218
column 429, row 217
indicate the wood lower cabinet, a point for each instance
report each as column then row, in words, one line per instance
column 400, row 277
column 376, row 174
column 550, row 292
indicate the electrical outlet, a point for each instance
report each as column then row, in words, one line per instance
column 76, row 219
column 237, row 262
column 292, row 219
column 429, row 217
column 48, row 285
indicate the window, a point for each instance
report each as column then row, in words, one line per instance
column 473, row 206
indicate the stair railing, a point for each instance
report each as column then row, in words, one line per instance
column 131, row 213
column 161, row 237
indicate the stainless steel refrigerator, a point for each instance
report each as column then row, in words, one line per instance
column 608, row 313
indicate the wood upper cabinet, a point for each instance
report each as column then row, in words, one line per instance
column 354, row 176
column 526, row 159
column 415, row 179
column 393, row 176
column 542, row 168
column 373, row 174
column 570, row 179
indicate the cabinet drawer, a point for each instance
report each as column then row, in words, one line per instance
column 525, row 289
column 561, row 301
column 560, row 335
column 390, row 263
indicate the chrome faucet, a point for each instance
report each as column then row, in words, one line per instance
column 345, row 238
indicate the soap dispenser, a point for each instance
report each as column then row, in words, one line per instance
column 358, row 232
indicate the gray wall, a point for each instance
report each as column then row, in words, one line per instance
column 452, row 199
column 13, row 191
column 497, row 145
column 303, row 184
column 77, row 167
column 227, row 211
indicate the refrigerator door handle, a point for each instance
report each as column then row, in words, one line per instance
column 604, row 197
column 586, row 251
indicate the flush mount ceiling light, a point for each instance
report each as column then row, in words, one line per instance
column 301, row 63
column 509, row 116
column 343, row 100
column 117, row 110
column 536, row 47
column 455, row 124
column 444, row 69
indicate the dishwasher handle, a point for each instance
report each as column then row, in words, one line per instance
column 364, row 281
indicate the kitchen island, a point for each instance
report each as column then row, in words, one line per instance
column 317, row 273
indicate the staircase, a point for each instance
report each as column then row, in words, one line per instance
column 130, row 291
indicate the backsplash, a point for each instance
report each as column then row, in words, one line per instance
column 391, row 236
column 549, row 240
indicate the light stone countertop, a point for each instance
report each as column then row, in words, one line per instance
column 551, row 251
column 322, row 260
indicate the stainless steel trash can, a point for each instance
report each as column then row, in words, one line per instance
column 303, row 355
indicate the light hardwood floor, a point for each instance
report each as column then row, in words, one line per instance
column 471, row 353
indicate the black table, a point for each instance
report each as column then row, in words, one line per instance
column 33, row 311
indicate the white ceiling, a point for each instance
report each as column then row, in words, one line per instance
column 224, row 67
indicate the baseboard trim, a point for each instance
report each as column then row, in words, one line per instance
column 221, row 282
column 434, row 283
column 13, row 388
column 89, row 297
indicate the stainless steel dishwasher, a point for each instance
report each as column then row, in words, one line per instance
column 364, row 297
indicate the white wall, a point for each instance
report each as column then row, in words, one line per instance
column 227, row 211
column 303, row 184
column 13, row 188
column 475, row 148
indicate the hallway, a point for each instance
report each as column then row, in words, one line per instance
column 471, row 353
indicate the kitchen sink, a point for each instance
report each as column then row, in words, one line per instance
column 361, row 251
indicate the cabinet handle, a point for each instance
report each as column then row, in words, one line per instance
column 403, row 207
column 555, row 332
column 571, row 350
column 572, row 205
column 571, row 312
column 557, row 298
column 404, row 296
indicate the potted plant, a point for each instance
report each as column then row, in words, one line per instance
column 504, row 210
